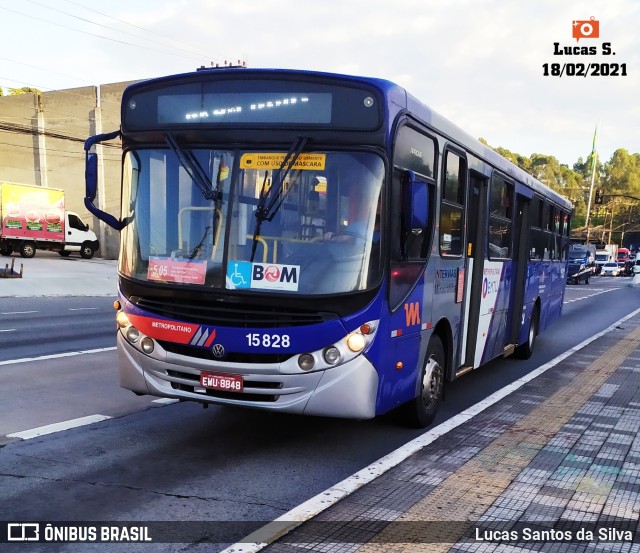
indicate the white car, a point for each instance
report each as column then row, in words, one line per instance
column 610, row 269
column 636, row 267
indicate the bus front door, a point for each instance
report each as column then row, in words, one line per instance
column 476, row 244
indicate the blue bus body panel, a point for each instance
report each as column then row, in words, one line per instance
column 301, row 339
column 496, row 294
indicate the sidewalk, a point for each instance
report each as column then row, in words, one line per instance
column 554, row 466
column 48, row 274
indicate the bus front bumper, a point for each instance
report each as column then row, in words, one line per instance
column 345, row 391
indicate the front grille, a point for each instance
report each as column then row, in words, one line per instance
column 231, row 314
column 230, row 357
column 243, row 396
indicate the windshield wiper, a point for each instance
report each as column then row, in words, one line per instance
column 198, row 248
column 192, row 167
column 271, row 200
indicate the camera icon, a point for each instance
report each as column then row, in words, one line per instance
column 586, row 28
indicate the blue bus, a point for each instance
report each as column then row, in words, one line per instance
column 320, row 244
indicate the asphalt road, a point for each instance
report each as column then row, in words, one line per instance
column 180, row 462
column 32, row 327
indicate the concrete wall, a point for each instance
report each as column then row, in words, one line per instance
column 41, row 143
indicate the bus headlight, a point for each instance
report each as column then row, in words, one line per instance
column 306, row 361
column 132, row 334
column 147, row 345
column 356, row 342
column 122, row 320
column 331, row 355
column 339, row 353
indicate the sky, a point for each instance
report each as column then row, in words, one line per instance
column 480, row 63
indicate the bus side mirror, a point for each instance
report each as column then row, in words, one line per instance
column 91, row 180
column 91, row 176
column 415, row 208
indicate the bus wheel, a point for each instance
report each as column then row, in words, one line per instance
column 525, row 350
column 421, row 411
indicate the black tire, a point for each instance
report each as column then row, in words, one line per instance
column 8, row 250
column 524, row 351
column 420, row 411
column 64, row 253
column 27, row 249
column 86, row 251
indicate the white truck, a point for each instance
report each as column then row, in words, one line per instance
column 34, row 218
column 604, row 255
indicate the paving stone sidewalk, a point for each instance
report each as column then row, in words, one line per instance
column 554, row 466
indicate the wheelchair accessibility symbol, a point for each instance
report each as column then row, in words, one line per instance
column 238, row 274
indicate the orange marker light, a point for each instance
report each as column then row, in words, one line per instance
column 399, row 365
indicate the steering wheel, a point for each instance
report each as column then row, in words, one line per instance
column 347, row 236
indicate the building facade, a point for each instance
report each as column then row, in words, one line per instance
column 42, row 143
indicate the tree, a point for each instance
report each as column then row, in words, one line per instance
column 622, row 173
column 23, row 90
column 621, row 185
column 618, row 180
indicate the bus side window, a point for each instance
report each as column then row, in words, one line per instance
column 452, row 205
column 413, row 152
column 501, row 214
column 409, row 251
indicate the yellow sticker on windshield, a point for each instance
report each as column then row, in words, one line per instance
column 305, row 162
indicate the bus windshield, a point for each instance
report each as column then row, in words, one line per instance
column 243, row 220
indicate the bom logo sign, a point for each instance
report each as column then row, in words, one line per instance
column 586, row 28
column 266, row 276
column 275, row 276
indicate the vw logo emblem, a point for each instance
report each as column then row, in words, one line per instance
column 217, row 350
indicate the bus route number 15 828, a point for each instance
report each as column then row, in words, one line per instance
column 256, row 339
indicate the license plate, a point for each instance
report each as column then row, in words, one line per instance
column 222, row 382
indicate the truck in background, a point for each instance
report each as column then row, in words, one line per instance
column 34, row 218
column 624, row 261
column 605, row 254
column 581, row 264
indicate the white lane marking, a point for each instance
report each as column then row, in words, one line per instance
column 314, row 506
column 165, row 401
column 82, row 308
column 57, row 427
column 8, row 329
column 18, row 312
column 590, row 295
column 55, row 356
